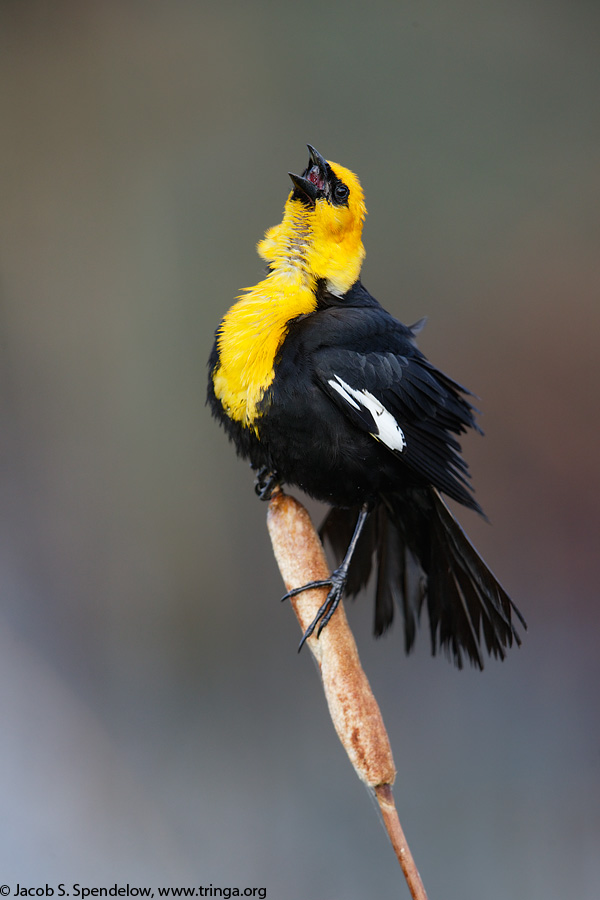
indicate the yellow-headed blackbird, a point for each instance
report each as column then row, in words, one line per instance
column 319, row 387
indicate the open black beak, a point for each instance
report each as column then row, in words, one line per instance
column 317, row 160
column 306, row 190
column 313, row 180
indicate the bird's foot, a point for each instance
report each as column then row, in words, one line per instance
column 266, row 483
column 337, row 582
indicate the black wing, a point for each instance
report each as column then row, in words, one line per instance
column 388, row 382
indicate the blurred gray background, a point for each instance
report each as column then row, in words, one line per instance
column 158, row 726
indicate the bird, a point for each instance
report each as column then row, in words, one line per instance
column 321, row 388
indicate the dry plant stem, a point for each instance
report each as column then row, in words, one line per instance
column 385, row 798
column 352, row 705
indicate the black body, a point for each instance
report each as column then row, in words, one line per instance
column 311, row 437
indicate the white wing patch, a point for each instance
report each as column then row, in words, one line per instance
column 388, row 430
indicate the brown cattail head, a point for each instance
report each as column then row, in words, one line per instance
column 352, row 706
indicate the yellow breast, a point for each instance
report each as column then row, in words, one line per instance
column 250, row 336
column 309, row 245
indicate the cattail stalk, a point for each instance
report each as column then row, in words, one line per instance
column 354, row 711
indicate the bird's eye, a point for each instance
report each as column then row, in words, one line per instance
column 340, row 193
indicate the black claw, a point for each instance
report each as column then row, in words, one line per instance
column 323, row 612
column 333, row 604
column 337, row 582
column 306, row 587
column 265, row 484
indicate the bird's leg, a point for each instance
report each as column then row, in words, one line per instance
column 337, row 580
column 266, row 482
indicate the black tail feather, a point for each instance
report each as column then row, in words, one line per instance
column 423, row 554
column 479, row 606
column 401, row 581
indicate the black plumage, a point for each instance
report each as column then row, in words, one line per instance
column 318, row 427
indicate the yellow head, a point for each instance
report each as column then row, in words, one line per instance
column 321, row 231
